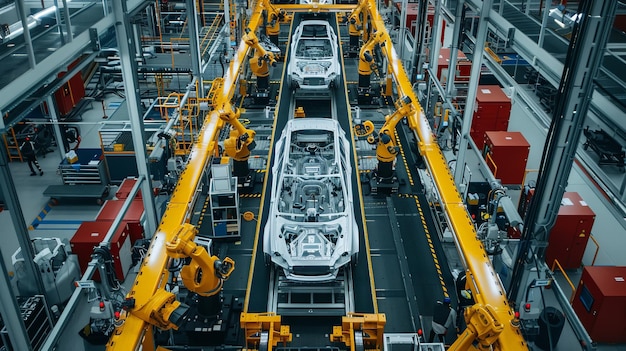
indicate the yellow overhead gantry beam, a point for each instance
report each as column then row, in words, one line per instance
column 134, row 331
column 487, row 289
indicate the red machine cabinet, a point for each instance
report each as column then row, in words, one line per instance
column 491, row 112
column 464, row 66
column 569, row 236
column 124, row 190
column 133, row 216
column 71, row 92
column 600, row 303
column 91, row 234
column 506, row 154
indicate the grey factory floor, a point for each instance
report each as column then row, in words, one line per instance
column 64, row 218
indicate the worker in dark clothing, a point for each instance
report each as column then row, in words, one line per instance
column 28, row 151
column 444, row 318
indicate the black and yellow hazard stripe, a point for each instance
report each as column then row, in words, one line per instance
column 406, row 165
column 431, row 245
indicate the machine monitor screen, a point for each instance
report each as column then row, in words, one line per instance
column 586, row 298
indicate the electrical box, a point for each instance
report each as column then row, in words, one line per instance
column 506, row 154
column 133, row 217
column 463, row 66
column 600, row 302
column 569, row 236
column 91, row 234
column 491, row 112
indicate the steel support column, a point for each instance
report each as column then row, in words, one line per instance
column 402, row 31
column 55, row 125
column 544, row 22
column 435, row 37
column 57, row 16
column 420, row 38
column 194, row 44
column 454, row 47
column 227, row 11
column 28, row 43
column 10, row 311
column 68, row 22
column 468, row 113
column 584, row 56
column 131, row 88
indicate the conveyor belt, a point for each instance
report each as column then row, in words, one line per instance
column 306, row 332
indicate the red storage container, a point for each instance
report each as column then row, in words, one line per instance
column 569, row 236
column 600, row 303
column 91, row 234
column 124, row 190
column 464, row 66
column 133, row 216
column 506, row 154
column 491, row 112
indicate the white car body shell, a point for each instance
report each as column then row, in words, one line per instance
column 311, row 231
column 314, row 56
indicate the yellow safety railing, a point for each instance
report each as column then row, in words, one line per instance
column 172, row 40
column 210, row 35
column 597, row 249
column 495, row 166
column 569, row 281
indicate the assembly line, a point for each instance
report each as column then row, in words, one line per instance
column 491, row 320
column 307, row 196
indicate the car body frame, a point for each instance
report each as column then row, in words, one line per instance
column 311, row 231
column 314, row 57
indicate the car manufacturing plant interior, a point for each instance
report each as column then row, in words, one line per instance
column 341, row 175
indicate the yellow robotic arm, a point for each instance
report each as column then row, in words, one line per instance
column 262, row 58
column 483, row 329
column 366, row 57
column 205, row 274
column 274, row 18
column 240, row 140
column 385, row 140
column 162, row 311
column 151, row 304
column 355, row 25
